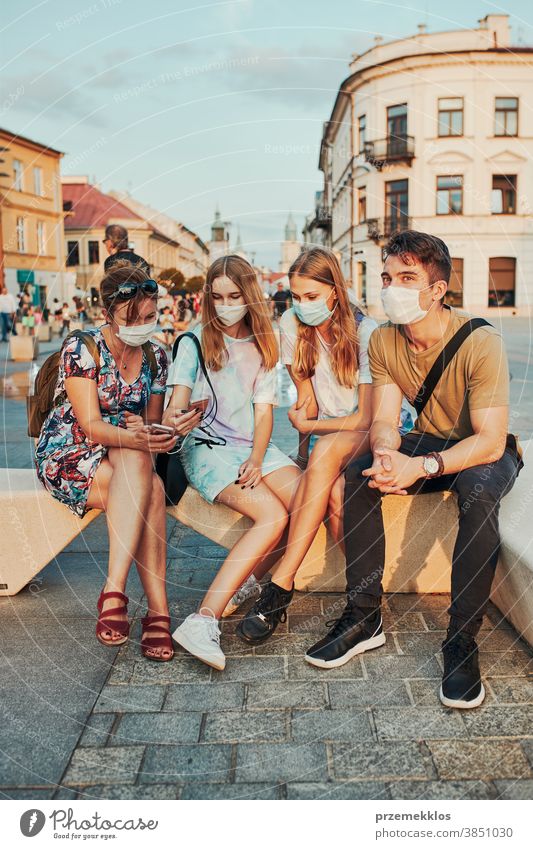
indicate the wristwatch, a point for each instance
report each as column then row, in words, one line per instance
column 433, row 465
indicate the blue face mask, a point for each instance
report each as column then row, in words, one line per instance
column 313, row 313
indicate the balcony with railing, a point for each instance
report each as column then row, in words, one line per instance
column 393, row 149
column 381, row 229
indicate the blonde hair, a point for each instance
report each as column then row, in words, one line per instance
column 257, row 318
column 322, row 265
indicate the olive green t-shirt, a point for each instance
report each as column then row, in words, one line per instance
column 476, row 378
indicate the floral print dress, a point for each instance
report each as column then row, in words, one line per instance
column 66, row 459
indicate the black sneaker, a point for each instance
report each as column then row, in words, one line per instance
column 264, row 617
column 461, row 682
column 357, row 631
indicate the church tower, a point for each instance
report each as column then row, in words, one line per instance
column 290, row 247
column 219, row 244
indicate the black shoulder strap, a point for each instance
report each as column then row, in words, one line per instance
column 443, row 360
column 203, row 366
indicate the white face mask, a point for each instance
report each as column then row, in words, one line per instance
column 402, row 305
column 137, row 334
column 230, row 314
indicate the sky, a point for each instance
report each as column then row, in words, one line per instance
column 188, row 104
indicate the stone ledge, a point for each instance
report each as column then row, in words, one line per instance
column 323, row 568
column 38, row 528
column 35, row 528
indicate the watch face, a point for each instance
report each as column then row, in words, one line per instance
column 431, row 466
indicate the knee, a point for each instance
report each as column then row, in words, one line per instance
column 134, row 462
column 478, row 486
column 321, row 457
column 275, row 518
column 354, row 479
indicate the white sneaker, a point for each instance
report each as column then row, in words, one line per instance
column 250, row 589
column 200, row 635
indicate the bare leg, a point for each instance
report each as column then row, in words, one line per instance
column 284, row 483
column 336, row 512
column 150, row 559
column 329, row 457
column 122, row 487
column 270, row 519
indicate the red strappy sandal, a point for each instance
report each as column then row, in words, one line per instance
column 149, row 622
column 106, row 623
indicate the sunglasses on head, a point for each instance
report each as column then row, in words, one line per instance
column 126, row 291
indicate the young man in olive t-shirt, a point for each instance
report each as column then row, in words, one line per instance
column 458, row 444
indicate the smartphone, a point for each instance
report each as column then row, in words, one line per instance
column 159, row 428
column 200, row 405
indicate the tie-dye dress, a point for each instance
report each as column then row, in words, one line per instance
column 66, row 459
column 241, row 383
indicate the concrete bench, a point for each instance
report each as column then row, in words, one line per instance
column 420, row 536
column 420, row 533
column 23, row 349
column 35, row 528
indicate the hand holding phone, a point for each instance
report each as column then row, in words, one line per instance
column 164, row 429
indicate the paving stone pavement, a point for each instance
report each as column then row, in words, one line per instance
column 80, row 720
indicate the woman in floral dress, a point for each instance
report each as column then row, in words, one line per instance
column 96, row 445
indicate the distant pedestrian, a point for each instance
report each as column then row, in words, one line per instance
column 65, row 319
column 116, row 243
column 28, row 322
column 281, row 300
column 8, row 311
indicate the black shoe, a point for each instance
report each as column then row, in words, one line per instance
column 461, row 682
column 357, row 631
column 263, row 618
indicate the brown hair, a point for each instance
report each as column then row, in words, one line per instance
column 322, row 265
column 430, row 251
column 118, row 236
column 257, row 318
column 121, row 272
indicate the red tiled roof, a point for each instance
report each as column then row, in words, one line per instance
column 93, row 208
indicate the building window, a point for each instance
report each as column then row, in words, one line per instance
column 361, row 278
column 454, row 295
column 41, row 238
column 503, row 198
column 17, row 171
column 361, row 205
column 449, row 195
column 396, row 206
column 362, row 132
column 21, row 235
column 502, row 276
column 450, row 116
column 396, row 129
column 94, row 253
column 38, row 182
column 506, row 116
column 73, row 253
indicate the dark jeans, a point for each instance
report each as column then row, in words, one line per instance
column 6, row 324
column 479, row 491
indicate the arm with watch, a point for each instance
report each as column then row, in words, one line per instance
column 393, row 472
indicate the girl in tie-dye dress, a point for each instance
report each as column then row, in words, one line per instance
column 232, row 460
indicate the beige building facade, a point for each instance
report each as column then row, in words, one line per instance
column 88, row 211
column 435, row 133
column 192, row 255
column 31, row 220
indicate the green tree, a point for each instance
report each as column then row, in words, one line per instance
column 195, row 284
column 172, row 278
